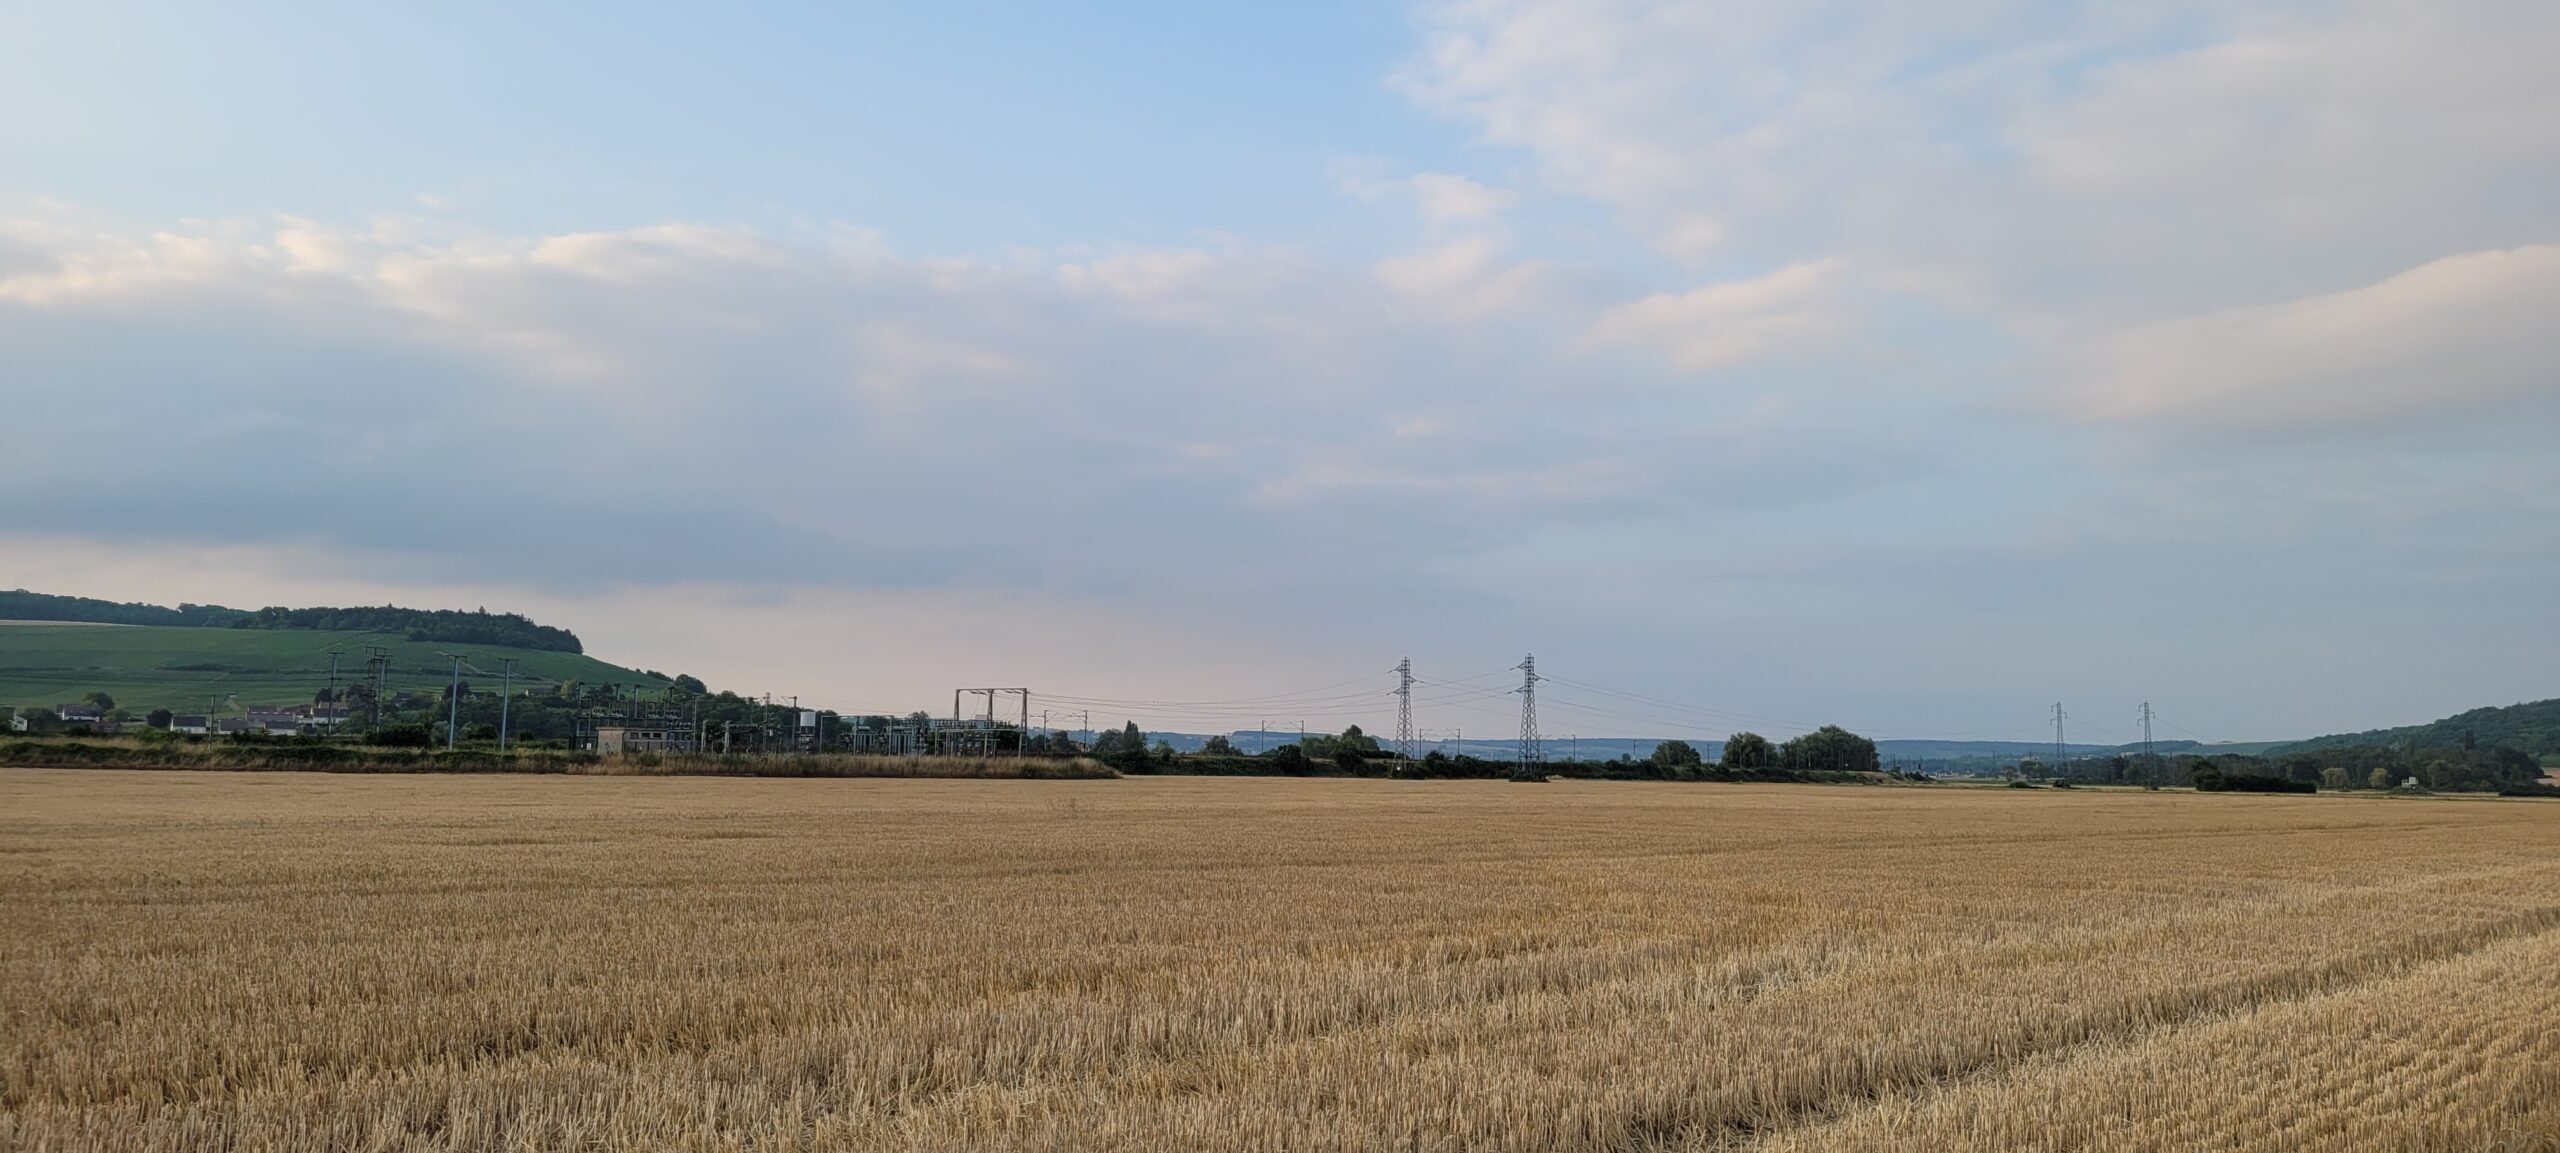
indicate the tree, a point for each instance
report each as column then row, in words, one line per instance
column 2334, row 778
column 1289, row 759
column 1124, row 748
column 1747, row 751
column 1672, row 757
column 1218, row 746
column 692, row 685
column 1830, row 749
column 99, row 698
column 159, row 719
column 2379, row 778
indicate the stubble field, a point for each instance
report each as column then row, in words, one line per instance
column 288, row 962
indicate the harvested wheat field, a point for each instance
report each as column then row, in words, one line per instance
column 304, row 962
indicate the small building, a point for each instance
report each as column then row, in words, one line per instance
column 276, row 722
column 89, row 715
column 194, row 726
column 642, row 739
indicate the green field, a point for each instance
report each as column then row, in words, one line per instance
column 43, row 664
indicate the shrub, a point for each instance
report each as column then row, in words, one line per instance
column 402, row 737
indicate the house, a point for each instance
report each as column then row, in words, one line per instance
column 276, row 722
column 18, row 722
column 90, row 715
column 189, row 725
column 642, row 739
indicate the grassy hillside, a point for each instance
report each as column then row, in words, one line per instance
column 181, row 669
column 2532, row 728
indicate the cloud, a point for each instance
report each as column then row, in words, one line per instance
column 2452, row 332
column 1440, row 198
column 829, row 411
column 1466, row 278
column 1727, row 323
column 2135, row 163
column 1447, row 199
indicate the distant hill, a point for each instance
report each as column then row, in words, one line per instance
column 44, row 664
column 21, row 605
column 446, row 626
column 2532, row 728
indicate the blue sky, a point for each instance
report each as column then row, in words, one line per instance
column 956, row 128
column 1907, row 368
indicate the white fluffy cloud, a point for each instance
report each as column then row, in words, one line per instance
column 2062, row 172
column 1735, row 321
column 1445, row 199
column 2458, row 331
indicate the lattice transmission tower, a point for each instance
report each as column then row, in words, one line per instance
column 1404, row 713
column 2058, row 753
column 2150, row 759
column 1532, row 759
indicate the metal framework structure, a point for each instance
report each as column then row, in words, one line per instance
column 1404, row 713
column 986, row 722
column 2058, row 750
column 2150, row 759
column 1532, row 758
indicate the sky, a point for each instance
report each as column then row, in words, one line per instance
column 1755, row 365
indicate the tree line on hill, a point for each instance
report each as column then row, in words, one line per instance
column 436, row 626
column 2532, row 727
column 2467, row 767
column 1827, row 751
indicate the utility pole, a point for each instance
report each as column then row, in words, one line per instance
column 1532, row 759
column 1404, row 714
column 503, row 695
column 377, row 659
column 453, row 703
column 2057, row 738
column 333, row 692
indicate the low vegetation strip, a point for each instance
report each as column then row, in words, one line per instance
column 302, row 756
column 272, row 962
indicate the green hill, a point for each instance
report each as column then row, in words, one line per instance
column 2533, row 728
column 43, row 664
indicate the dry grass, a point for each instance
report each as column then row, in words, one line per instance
column 297, row 962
